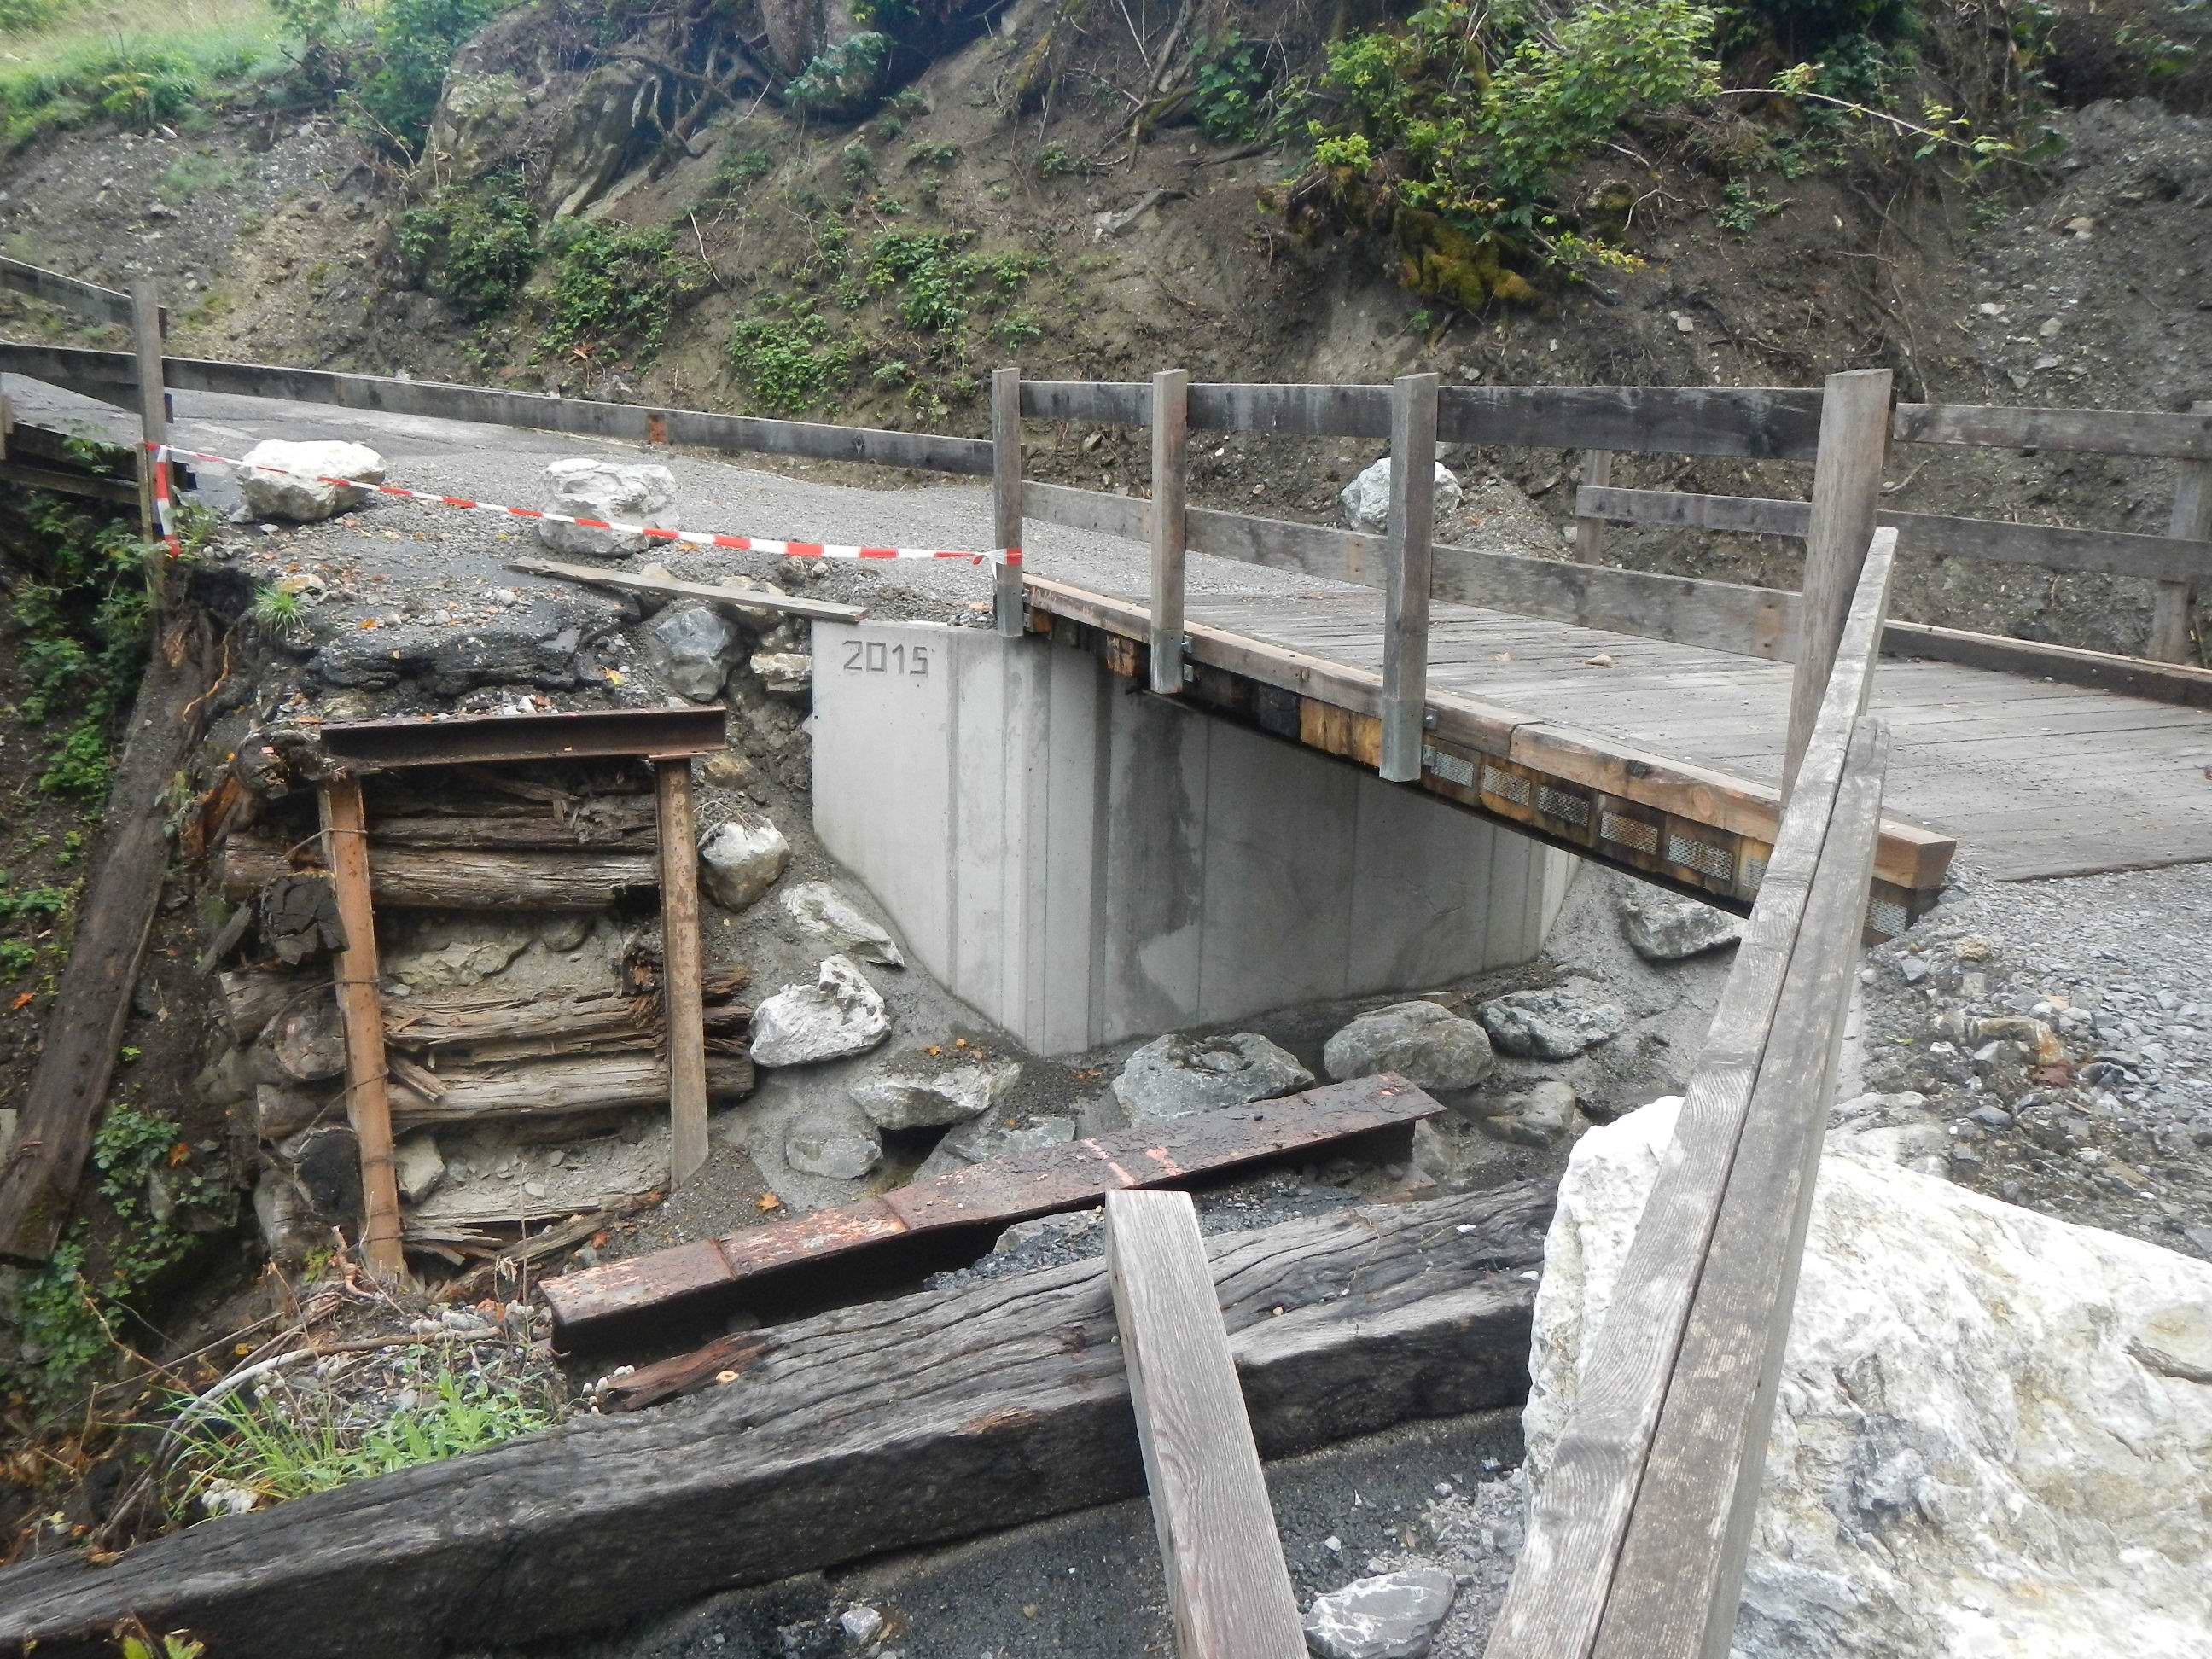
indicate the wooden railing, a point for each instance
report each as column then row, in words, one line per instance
column 1640, row 1530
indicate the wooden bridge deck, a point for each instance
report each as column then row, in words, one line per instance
column 2035, row 779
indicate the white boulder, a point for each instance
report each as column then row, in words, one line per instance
column 1393, row 1615
column 826, row 914
column 839, row 1014
column 616, row 492
column 995, row 1134
column 740, row 859
column 1994, row 1429
column 917, row 1091
column 1366, row 498
column 284, row 480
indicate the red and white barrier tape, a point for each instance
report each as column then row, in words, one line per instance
column 1006, row 555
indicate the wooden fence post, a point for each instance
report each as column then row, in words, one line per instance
column 683, row 992
column 1589, row 533
column 2192, row 521
column 1407, row 575
column 146, row 321
column 368, row 1097
column 1006, row 497
column 1846, row 490
column 1170, row 523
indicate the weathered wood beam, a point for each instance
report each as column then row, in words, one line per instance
column 468, row 1023
column 984, row 1408
column 368, row 1099
column 729, row 598
column 2174, row 612
column 104, row 305
column 1167, row 518
column 2092, row 431
column 681, row 990
column 556, row 1086
column 461, row 879
column 1228, row 1589
column 1006, row 498
column 1408, row 575
column 1590, row 530
column 915, row 1225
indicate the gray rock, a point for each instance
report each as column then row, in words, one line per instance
column 1394, row 1615
column 617, row 491
column 417, row 1166
column 1366, row 498
column 784, row 673
column 826, row 914
column 686, row 644
column 862, row 1624
column 1175, row 1075
column 740, row 859
column 832, row 1140
column 1662, row 927
column 916, row 1091
column 227, row 1079
column 1540, row 1117
column 839, row 1014
column 279, row 1110
column 296, row 488
column 995, row 1134
column 1431, row 1046
column 1557, row 1023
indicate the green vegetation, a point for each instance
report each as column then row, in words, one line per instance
column 788, row 357
column 616, row 285
column 278, row 1444
column 67, row 1310
column 277, row 612
column 738, row 170
column 1056, row 161
column 476, row 245
column 84, row 617
column 1227, row 86
column 1740, row 208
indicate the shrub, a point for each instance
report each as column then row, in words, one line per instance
column 477, row 246
column 790, row 364
column 1227, row 85
column 617, row 284
column 414, row 42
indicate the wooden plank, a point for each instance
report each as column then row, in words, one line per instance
column 2174, row 682
column 529, row 411
column 86, row 1019
column 712, row 1273
column 730, row 598
column 60, row 481
column 2174, row 612
column 1339, row 1326
column 1085, row 510
column 682, row 974
column 104, row 305
column 462, row 880
column 1589, row 528
column 147, row 319
column 1293, row 410
column 2053, row 546
column 2094, row 431
column 1095, row 403
column 1006, row 498
column 109, row 376
column 1407, row 576
column 1228, row 1589
column 1167, row 523
column 533, row 1087
column 368, row 1100
column 571, row 734
column 1772, row 423
column 1675, row 1591
column 1846, row 492
column 1582, row 1513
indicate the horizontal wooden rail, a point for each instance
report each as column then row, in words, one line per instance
column 1790, row 973
column 103, row 373
column 2088, row 431
column 2053, row 546
column 105, row 305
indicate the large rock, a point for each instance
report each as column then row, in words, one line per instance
column 618, row 492
column 832, row 1140
column 995, row 1134
column 685, row 644
column 839, row 1014
column 1662, row 928
column 1557, row 1023
column 1366, row 498
column 1394, row 1615
column 922, row 1091
column 1994, row 1432
column 1173, row 1076
column 1536, row 1117
column 826, row 914
column 739, row 859
column 281, row 480
column 1431, row 1046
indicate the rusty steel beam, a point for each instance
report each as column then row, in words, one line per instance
column 474, row 739
column 936, row 1224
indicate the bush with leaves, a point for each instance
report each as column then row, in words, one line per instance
column 85, row 617
column 412, row 45
column 616, row 285
column 475, row 244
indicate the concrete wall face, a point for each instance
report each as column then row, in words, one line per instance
column 1083, row 863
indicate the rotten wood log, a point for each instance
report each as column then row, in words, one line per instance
column 481, row 1280
column 617, row 826
column 308, row 1039
column 984, row 1407
column 252, row 997
column 933, row 1223
column 39, row 1185
column 719, row 1363
column 561, row 1087
column 414, row 877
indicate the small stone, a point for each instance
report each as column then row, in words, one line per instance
column 839, row 1014
column 687, row 644
column 1394, row 1615
column 1557, row 1023
column 1429, row 1045
column 728, row 770
column 740, row 859
column 1912, row 969
column 417, row 1167
column 826, row 914
column 2032, row 1035
column 833, row 1141
column 1538, row 1118
column 1175, row 1075
column 784, row 673
column 861, row 1624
